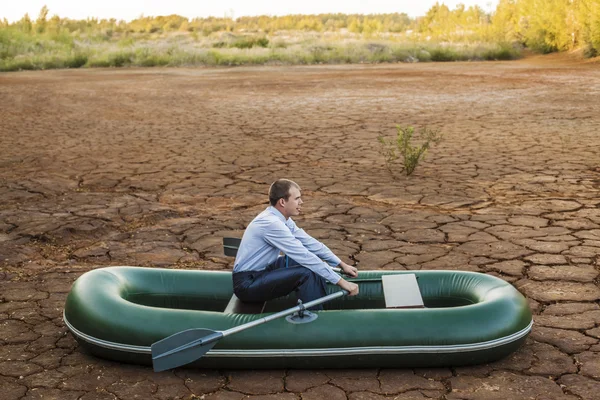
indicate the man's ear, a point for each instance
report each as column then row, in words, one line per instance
column 282, row 202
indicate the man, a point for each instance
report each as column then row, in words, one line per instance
column 261, row 274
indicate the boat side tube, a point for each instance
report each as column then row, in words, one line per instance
column 118, row 312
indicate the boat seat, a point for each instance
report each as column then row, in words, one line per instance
column 236, row 306
column 402, row 291
column 230, row 246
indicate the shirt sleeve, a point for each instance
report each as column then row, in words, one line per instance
column 313, row 245
column 277, row 234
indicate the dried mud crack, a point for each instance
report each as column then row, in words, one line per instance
column 124, row 169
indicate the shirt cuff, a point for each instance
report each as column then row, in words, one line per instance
column 334, row 261
column 335, row 280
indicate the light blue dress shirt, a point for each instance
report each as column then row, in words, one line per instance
column 269, row 233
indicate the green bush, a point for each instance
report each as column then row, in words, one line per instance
column 504, row 52
column 589, row 51
column 153, row 60
column 50, row 63
column 76, row 61
column 401, row 54
column 247, row 42
column 402, row 147
column 537, row 42
column 119, row 59
column 16, row 65
column 262, row 42
column 126, row 42
column 443, row 54
column 63, row 38
column 278, row 44
column 98, row 62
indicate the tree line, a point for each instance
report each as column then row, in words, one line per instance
column 545, row 26
column 377, row 23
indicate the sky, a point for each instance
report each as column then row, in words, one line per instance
column 14, row 10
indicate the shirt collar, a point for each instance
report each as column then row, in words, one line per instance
column 277, row 213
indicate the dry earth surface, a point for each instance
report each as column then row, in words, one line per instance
column 153, row 167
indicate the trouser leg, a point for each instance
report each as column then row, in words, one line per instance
column 314, row 288
column 278, row 281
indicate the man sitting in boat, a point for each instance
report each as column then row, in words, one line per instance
column 261, row 274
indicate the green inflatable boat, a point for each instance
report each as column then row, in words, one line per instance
column 467, row 318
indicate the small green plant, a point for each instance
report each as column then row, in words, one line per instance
column 401, row 146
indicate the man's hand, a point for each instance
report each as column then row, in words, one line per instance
column 351, row 287
column 349, row 269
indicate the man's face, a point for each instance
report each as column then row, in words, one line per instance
column 292, row 206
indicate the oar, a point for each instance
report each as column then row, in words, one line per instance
column 189, row 345
column 350, row 279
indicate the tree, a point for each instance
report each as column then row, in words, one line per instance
column 185, row 26
column 355, row 26
column 25, row 24
column 588, row 16
column 53, row 25
column 371, row 26
column 505, row 26
column 40, row 22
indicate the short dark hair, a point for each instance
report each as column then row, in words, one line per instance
column 280, row 189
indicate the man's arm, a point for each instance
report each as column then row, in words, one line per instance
column 320, row 250
column 351, row 287
column 313, row 245
column 349, row 269
column 278, row 235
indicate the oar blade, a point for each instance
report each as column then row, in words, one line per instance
column 178, row 339
column 183, row 348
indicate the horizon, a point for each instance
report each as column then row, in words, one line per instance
column 134, row 9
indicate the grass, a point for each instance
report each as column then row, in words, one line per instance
column 25, row 52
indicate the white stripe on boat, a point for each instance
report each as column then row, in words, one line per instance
column 343, row 351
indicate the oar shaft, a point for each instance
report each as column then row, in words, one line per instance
column 324, row 299
column 284, row 313
column 350, row 279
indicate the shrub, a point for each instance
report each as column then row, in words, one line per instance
column 76, row 61
column 126, row 42
column 153, row 60
column 503, row 51
column 443, row 54
column 119, row 59
column 279, row 44
column 248, row 42
column 589, row 51
column 98, row 62
column 63, row 38
column 16, row 65
column 262, row 42
column 402, row 147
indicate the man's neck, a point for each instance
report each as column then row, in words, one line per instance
column 282, row 212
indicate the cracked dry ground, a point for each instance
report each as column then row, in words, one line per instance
column 153, row 167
